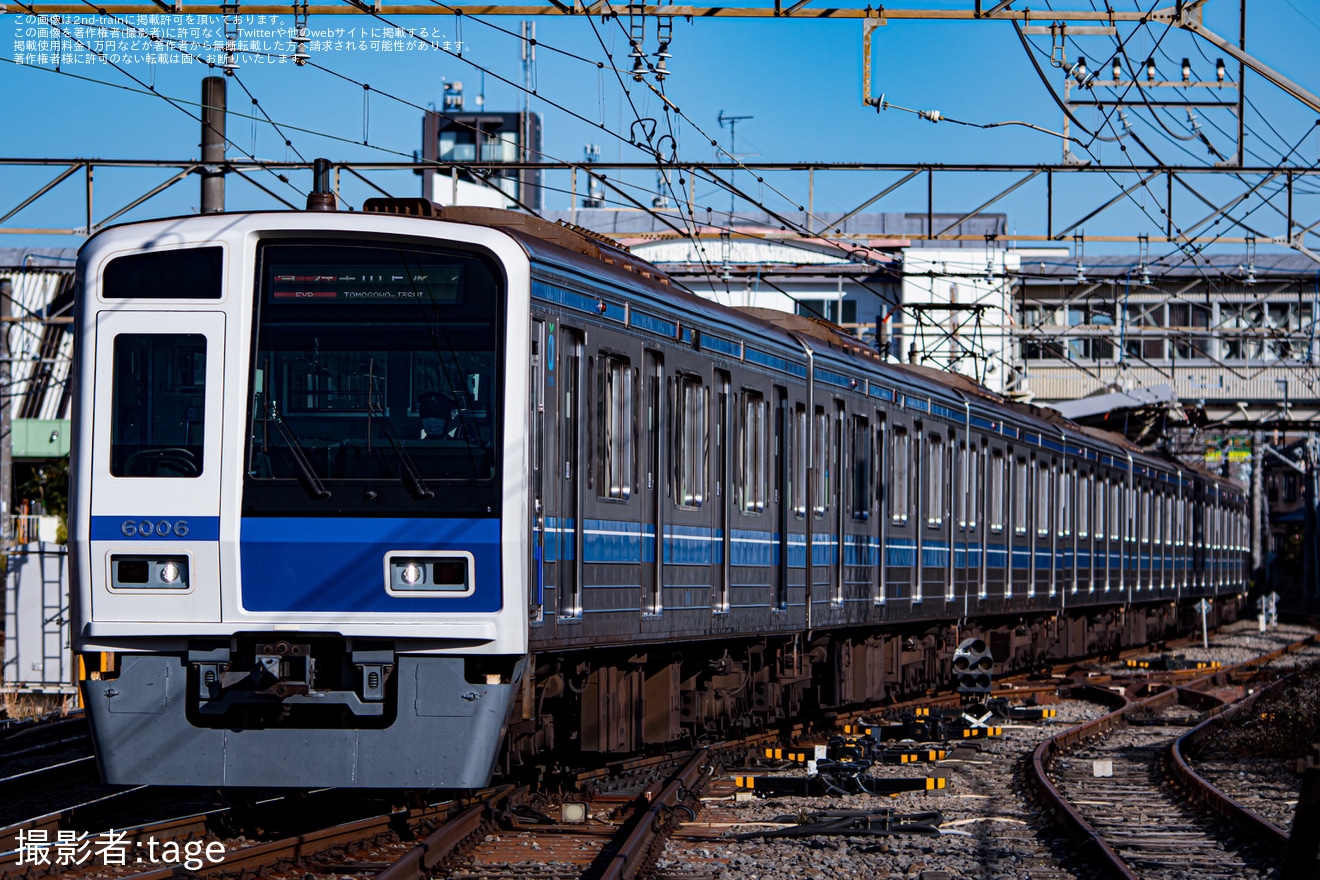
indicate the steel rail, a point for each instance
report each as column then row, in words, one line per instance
column 653, row 826
column 418, row 862
column 1048, row 750
column 1209, row 796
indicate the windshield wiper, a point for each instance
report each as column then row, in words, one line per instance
column 412, row 478
column 311, row 483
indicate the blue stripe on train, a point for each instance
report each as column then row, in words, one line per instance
column 338, row 565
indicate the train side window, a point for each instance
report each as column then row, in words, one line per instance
column 691, row 438
column 616, row 460
column 752, row 449
column 185, row 273
column 1157, row 517
column 995, row 489
column 935, row 484
column 821, row 461
column 1020, row 496
column 1043, row 516
column 898, row 476
column 158, row 403
column 861, row 468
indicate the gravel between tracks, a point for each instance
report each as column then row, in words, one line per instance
column 992, row 828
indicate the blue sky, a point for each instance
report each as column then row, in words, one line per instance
column 799, row 81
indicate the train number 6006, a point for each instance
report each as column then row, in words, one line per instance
column 145, row 528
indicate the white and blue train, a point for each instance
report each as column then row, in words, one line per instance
column 384, row 499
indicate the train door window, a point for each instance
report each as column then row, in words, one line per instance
column 1043, row 516
column 1084, row 506
column 1116, row 510
column 797, row 477
column 860, row 484
column 995, row 492
column 1065, row 501
column 1020, row 495
column 1101, row 490
column 1180, row 527
column 935, row 481
column 752, row 449
column 898, row 476
column 1143, row 515
column 616, row 458
column 691, row 439
column 821, row 462
column 972, row 485
column 1157, row 517
column 157, row 405
column 960, row 468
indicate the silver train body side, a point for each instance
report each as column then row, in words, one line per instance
column 360, row 498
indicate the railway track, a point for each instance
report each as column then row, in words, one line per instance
column 1111, row 783
column 507, row 832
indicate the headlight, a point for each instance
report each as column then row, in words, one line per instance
column 443, row 573
column 149, row 572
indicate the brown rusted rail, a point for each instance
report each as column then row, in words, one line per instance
column 643, row 842
column 1048, row 750
column 1206, row 794
column 418, row 862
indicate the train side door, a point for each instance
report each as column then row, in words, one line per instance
column 723, row 492
column 653, row 488
column 156, row 462
column 536, row 462
column 571, row 415
column 782, row 455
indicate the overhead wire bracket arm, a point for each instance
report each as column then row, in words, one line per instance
column 1191, row 21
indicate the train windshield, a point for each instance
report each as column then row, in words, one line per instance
column 375, row 381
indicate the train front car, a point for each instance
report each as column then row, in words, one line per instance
column 299, row 526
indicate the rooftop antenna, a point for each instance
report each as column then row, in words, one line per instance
column 733, row 146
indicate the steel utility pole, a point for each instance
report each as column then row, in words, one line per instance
column 6, row 424
column 213, row 145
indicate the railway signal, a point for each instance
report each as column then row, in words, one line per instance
column 973, row 666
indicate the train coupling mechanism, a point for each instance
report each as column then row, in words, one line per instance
column 288, row 674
